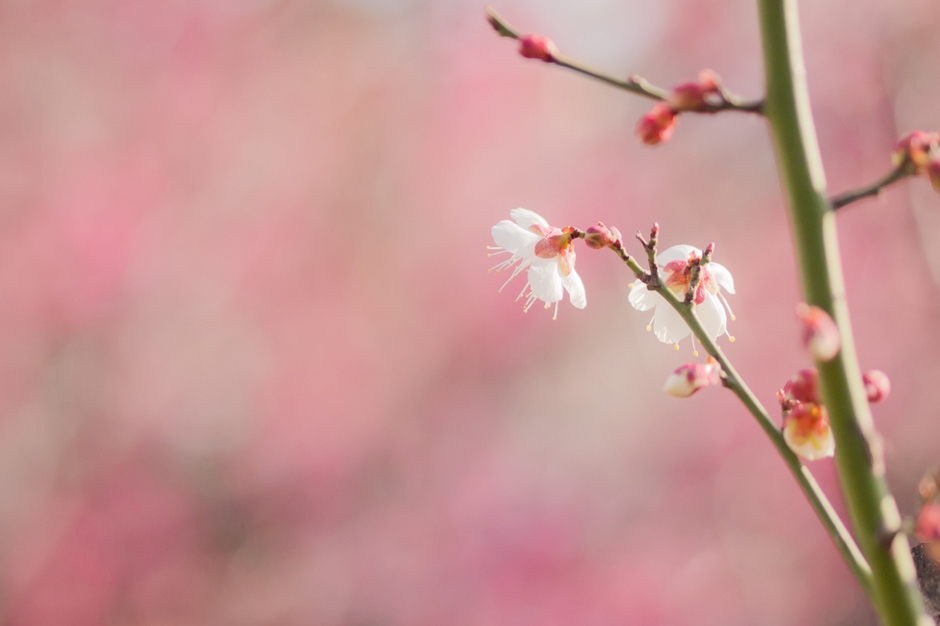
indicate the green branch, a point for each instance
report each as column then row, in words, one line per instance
column 872, row 510
column 732, row 380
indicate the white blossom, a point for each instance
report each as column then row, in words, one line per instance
column 675, row 273
column 545, row 253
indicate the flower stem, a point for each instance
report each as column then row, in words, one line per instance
column 824, row 511
column 859, row 458
column 633, row 83
column 898, row 173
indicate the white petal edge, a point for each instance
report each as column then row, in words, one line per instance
column 545, row 280
column 808, row 448
column 676, row 253
column 669, row 325
column 713, row 316
column 642, row 298
column 722, row 276
column 575, row 289
column 527, row 218
column 515, row 239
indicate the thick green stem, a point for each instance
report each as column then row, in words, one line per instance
column 872, row 510
column 817, row 499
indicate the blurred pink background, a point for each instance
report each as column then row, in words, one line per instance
column 254, row 371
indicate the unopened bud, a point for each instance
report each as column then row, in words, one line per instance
column 820, row 335
column 696, row 96
column 657, row 125
column 802, row 387
column 928, row 522
column 537, row 47
column 689, row 378
column 598, row 236
column 877, row 385
column 914, row 149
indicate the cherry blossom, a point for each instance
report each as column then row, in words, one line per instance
column 545, row 253
column 676, row 273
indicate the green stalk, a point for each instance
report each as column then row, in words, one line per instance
column 872, row 510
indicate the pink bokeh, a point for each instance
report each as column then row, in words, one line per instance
column 253, row 369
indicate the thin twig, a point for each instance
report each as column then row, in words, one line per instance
column 900, row 172
column 633, row 83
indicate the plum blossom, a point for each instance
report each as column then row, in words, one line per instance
column 545, row 253
column 807, row 432
column 676, row 273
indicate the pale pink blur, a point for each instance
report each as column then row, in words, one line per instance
column 253, row 369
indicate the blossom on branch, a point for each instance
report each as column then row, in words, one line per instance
column 689, row 378
column 545, row 253
column 807, row 432
column 675, row 271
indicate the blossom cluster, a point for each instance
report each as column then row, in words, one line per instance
column 806, row 426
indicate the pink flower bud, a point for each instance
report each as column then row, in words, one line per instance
column 820, row 335
column 691, row 377
column 802, row 387
column 877, row 385
column 657, row 125
column 914, row 149
column 598, row 236
column 537, row 47
column 696, row 96
column 928, row 522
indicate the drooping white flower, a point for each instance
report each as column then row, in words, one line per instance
column 675, row 271
column 545, row 253
column 807, row 432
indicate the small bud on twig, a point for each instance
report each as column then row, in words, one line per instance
column 820, row 334
column 537, row 47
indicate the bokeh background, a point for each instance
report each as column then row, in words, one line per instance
column 253, row 370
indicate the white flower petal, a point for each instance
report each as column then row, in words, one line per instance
column 642, row 298
column 575, row 289
column 713, row 316
column 515, row 239
column 722, row 276
column 811, row 447
column 527, row 218
column 545, row 280
column 669, row 325
column 676, row 253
